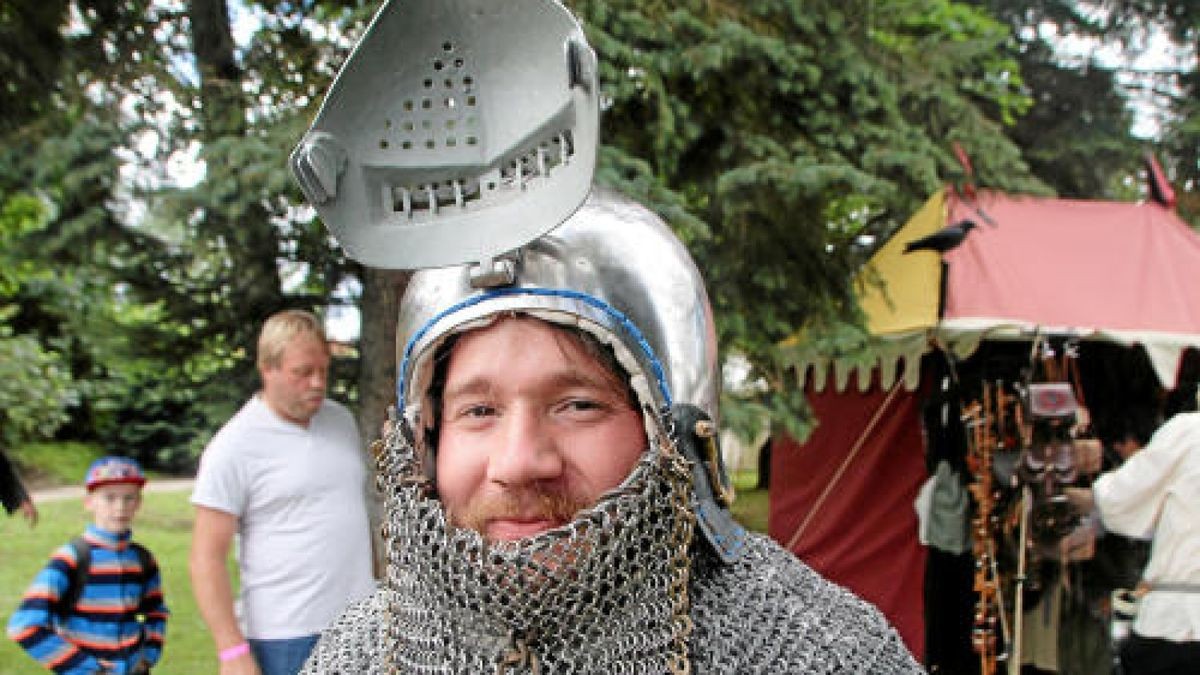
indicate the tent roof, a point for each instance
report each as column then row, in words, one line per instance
column 1076, row 265
column 1119, row 271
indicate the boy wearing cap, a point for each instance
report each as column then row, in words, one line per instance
column 97, row 606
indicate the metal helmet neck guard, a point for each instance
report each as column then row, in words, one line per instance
column 617, row 272
column 456, row 129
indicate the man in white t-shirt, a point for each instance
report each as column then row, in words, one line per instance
column 287, row 475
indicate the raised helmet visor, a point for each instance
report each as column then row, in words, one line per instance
column 456, row 131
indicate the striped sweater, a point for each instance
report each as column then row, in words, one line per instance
column 118, row 621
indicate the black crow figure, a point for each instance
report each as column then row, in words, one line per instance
column 943, row 240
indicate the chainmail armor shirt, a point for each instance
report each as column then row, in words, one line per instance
column 624, row 588
column 768, row 613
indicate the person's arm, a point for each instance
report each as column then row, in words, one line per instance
column 1130, row 498
column 212, row 536
column 32, row 625
column 29, row 511
column 1081, row 499
column 13, row 494
column 154, row 607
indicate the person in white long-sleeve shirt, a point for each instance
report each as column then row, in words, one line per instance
column 1156, row 495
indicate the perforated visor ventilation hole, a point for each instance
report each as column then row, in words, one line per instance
column 540, row 161
column 428, row 113
column 432, row 197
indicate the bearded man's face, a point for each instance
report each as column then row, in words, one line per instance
column 533, row 429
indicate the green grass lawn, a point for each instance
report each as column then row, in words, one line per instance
column 164, row 526
column 750, row 505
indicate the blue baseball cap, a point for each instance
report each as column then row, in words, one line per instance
column 112, row 470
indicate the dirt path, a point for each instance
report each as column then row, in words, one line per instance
column 76, row 491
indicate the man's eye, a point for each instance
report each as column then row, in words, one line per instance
column 476, row 411
column 582, row 405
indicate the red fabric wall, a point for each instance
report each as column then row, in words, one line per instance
column 864, row 535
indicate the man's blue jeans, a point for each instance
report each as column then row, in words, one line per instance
column 282, row 657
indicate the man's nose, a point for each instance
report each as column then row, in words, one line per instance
column 525, row 451
column 318, row 379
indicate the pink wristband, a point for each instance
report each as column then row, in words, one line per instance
column 231, row 653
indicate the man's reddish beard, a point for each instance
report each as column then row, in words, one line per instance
column 526, row 504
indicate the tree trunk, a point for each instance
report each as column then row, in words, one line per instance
column 249, row 238
column 380, row 307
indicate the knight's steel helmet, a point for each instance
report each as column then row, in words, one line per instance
column 460, row 140
column 615, row 271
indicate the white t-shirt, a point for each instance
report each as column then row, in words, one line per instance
column 299, row 494
column 1156, row 494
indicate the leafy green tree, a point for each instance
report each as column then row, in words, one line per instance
column 35, row 386
column 778, row 137
column 35, row 389
column 1180, row 142
column 153, row 315
column 774, row 135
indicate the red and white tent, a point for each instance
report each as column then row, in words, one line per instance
column 1127, row 273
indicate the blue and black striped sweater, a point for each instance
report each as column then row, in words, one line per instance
column 119, row 620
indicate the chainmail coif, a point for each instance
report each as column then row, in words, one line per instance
column 621, row 589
